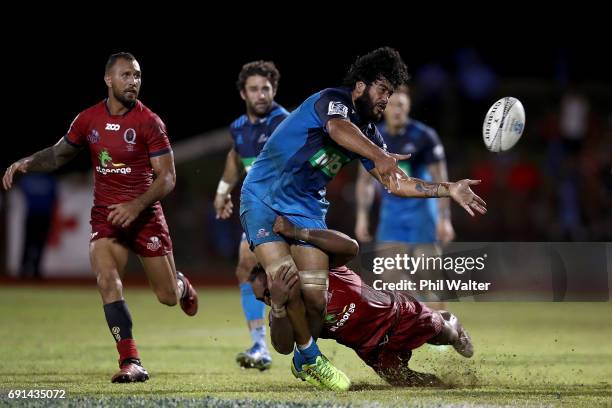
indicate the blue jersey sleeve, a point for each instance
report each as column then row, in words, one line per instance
column 275, row 122
column 433, row 150
column 332, row 104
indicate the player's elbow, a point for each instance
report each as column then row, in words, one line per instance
column 170, row 180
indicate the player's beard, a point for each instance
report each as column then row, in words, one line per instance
column 120, row 96
column 260, row 111
column 365, row 107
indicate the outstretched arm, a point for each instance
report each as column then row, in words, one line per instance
column 124, row 213
column 459, row 191
column 231, row 175
column 340, row 247
column 44, row 161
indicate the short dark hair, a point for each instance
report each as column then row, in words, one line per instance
column 266, row 69
column 110, row 63
column 384, row 62
column 257, row 269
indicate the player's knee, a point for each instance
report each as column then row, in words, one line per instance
column 242, row 271
column 109, row 283
column 314, row 289
column 315, row 301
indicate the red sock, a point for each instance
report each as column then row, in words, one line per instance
column 127, row 349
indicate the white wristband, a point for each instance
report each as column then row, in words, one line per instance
column 223, row 187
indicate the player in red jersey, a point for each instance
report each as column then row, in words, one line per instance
column 383, row 327
column 134, row 169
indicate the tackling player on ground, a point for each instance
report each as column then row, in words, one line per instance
column 133, row 169
column 257, row 84
column 383, row 327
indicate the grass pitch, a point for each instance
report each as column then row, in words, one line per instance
column 540, row 354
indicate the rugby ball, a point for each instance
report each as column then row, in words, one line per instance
column 504, row 124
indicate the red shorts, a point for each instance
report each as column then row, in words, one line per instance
column 147, row 235
column 415, row 326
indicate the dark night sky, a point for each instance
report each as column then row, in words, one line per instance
column 189, row 81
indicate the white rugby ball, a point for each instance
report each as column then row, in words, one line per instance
column 504, row 124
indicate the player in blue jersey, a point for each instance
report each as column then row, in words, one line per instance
column 257, row 84
column 415, row 226
column 329, row 129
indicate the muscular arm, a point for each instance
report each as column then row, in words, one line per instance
column 414, row 187
column 165, row 179
column 45, row 160
column 347, row 135
column 124, row 213
column 459, row 191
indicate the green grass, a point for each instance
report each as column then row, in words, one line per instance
column 526, row 354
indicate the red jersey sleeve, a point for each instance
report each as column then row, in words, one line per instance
column 77, row 132
column 157, row 138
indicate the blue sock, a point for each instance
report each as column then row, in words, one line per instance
column 253, row 309
column 311, row 352
column 298, row 359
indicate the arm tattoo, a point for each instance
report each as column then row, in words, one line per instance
column 53, row 157
column 428, row 189
column 433, row 189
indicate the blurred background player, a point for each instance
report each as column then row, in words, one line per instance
column 257, row 84
column 40, row 193
column 289, row 177
column 383, row 327
column 133, row 169
column 411, row 226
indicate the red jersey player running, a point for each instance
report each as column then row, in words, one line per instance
column 383, row 327
column 134, row 169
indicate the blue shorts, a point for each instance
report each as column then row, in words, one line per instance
column 257, row 220
column 417, row 232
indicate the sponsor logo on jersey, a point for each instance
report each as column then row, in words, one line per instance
column 343, row 316
column 329, row 160
column 112, row 126
column 107, row 166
